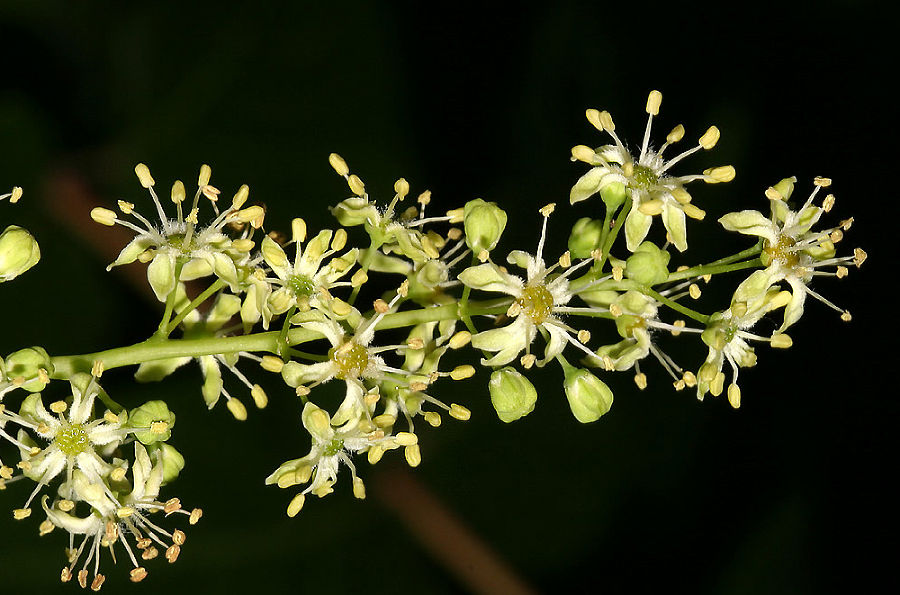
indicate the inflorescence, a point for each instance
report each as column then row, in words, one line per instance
column 292, row 304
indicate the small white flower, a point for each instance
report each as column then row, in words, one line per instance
column 203, row 251
column 303, row 280
column 646, row 178
column 792, row 251
column 539, row 301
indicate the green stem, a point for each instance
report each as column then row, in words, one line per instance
column 701, row 318
column 157, row 348
column 713, row 269
column 163, row 331
column 213, row 288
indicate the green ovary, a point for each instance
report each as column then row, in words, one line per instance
column 537, row 303
column 72, row 440
column 644, row 177
column 301, row 285
column 351, row 360
column 334, row 447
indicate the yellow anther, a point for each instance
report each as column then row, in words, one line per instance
column 607, row 363
column 211, row 192
column 846, row 317
column 548, row 209
column 339, row 240
column 460, row 339
column 302, row 391
column 45, row 528
column 615, row 310
column 717, row 385
column 65, row 505
column 822, row 182
column 192, row 216
column 459, row 412
column 359, row 488
column 694, row 291
column 418, row 387
column 150, row 553
column 836, row 236
column 82, row 578
column 628, row 169
column 828, row 203
column 97, row 583
column 565, row 261
column 172, row 553
column 859, row 256
column 715, row 175
column 240, row 197
column 385, row 420
column 846, row 224
column 454, row 233
column 424, row 198
column 709, row 138
column 356, row 185
column 16, row 194
column 401, row 187
column 243, row 245
column 462, row 372
column 676, row 135
column 596, row 254
column 606, row 121
column 693, row 212
column 195, row 516
column 514, row 309
column 773, row 194
column 374, row 455
column 159, row 427
column 617, row 273
column 143, row 174
column 651, row 207
column 406, row 439
column 338, row 164
column 734, row 395
column 205, row 175
column 178, row 193
column 103, row 216
column 679, row 384
column 584, row 335
column 6, row 472
column 681, row 195
column 842, row 272
column 593, row 117
column 126, row 207
column 413, row 455
column 678, row 324
column 118, row 474
column 260, row 399
column 781, row 341
column 97, row 368
column 21, row 513
column 381, row 306
column 653, row 101
column 528, row 360
column 415, row 343
column 640, row 379
column 286, row 481
column 178, row 537
column 432, row 418
column 247, row 215
column 237, row 409
column 124, row 512
column 271, row 363
column 172, row 505
column 689, row 378
column 403, row 290
column 138, row 574
column 58, row 406
column 583, row 153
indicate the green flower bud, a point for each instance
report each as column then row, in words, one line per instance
column 27, row 364
column 153, row 422
column 355, row 211
column 432, row 273
column 585, row 237
column 647, row 265
column 484, row 224
column 589, row 397
column 172, row 460
column 613, row 195
column 512, row 395
column 19, row 251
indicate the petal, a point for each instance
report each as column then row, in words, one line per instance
column 161, row 274
column 637, row 225
column 751, row 223
column 156, row 370
column 489, row 277
column 674, row 222
column 587, row 185
column 132, row 250
column 507, row 341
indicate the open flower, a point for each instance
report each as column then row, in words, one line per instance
column 646, row 179
column 331, row 447
column 77, row 441
column 180, row 243
column 539, row 301
column 114, row 512
column 792, row 251
column 303, row 280
column 727, row 334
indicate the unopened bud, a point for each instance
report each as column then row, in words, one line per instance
column 512, row 395
column 19, row 251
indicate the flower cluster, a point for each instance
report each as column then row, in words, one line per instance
column 306, row 307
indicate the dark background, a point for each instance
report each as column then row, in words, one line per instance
column 787, row 495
